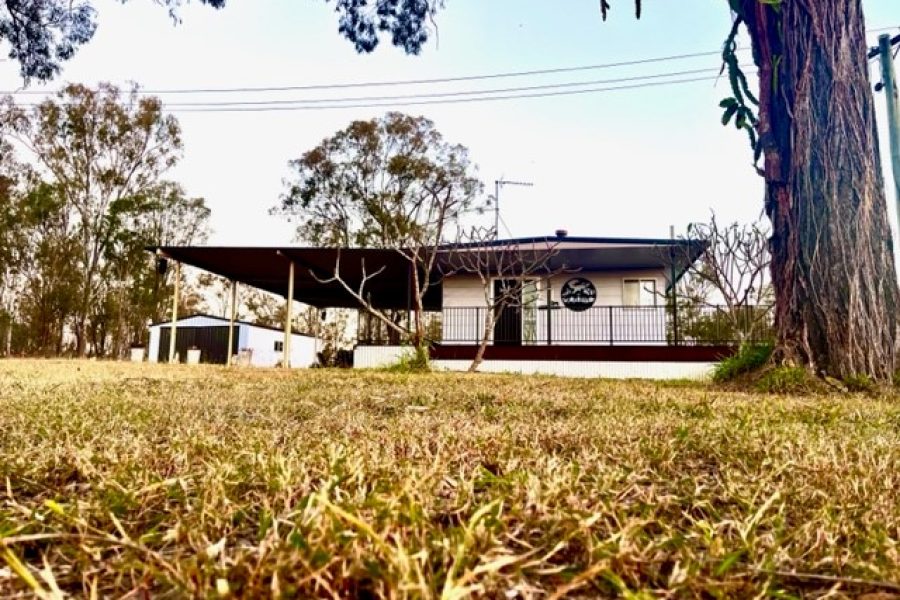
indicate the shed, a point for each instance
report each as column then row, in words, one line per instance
column 209, row 333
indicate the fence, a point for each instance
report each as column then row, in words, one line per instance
column 608, row 325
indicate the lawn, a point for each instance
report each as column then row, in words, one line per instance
column 160, row 481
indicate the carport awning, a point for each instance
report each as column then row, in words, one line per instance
column 267, row 269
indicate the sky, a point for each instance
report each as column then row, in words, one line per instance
column 623, row 163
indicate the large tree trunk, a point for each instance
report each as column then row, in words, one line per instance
column 832, row 256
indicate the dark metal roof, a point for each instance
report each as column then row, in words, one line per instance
column 554, row 239
column 266, row 268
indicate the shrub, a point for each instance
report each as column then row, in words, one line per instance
column 415, row 360
column 785, row 380
column 748, row 358
column 860, row 383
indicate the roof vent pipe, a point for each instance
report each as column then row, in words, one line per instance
column 561, row 233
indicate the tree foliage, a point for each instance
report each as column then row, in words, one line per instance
column 392, row 182
column 384, row 183
column 83, row 207
column 42, row 34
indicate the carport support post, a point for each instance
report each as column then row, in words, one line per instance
column 173, row 326
column 228, row 354
column 288, row 318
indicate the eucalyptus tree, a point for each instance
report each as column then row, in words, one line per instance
column 391, row 182
column 102, row 150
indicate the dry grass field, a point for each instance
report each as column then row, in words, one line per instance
column 169, row 482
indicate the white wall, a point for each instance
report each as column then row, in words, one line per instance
column 601, row 369
column 153, row 346
column 634, row 325
column 262, row 342
column 371, row 357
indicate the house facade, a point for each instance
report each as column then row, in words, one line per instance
column 597, row 307
column 556, row 304
column 575, row 308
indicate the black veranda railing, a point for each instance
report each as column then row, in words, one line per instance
column 608, row 325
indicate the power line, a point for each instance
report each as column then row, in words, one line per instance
column 332, row 86
column 547, row 86
column 351, row 85
column 448, row 101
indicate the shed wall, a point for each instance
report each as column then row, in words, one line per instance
column 262, row 342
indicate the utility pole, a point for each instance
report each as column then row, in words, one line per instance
column 889, row 84
column 497, row 185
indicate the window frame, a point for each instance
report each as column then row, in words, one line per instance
column 641, row 281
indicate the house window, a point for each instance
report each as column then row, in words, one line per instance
column 279, row 346
column 639, row 292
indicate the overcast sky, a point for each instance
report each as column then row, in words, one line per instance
column 617, row 163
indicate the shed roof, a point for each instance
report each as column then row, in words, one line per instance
column 222, row 320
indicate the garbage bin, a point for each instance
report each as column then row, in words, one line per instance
column 193, row 356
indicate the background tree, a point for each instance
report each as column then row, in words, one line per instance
column 726, row 294
column 105, row 154
column 11, row 240
column 136, row 291
column 50, row 288
column 390, row 183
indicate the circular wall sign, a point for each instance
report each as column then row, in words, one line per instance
column 578, row 294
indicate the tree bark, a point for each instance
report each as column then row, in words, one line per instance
column 489, row 320
column 832, row 253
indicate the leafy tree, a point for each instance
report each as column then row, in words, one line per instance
column 105, row 154
column 390, row 183
column 42, row 34
column 137, row 292
column 49, row 287
column 12, row 240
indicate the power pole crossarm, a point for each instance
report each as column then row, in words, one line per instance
column 889, row 80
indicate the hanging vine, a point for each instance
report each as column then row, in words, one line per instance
column 741, row 106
